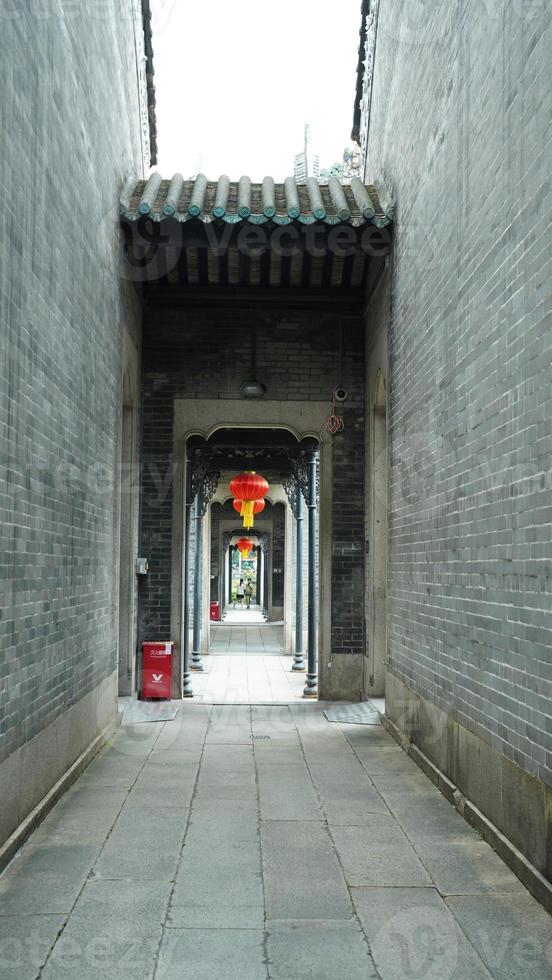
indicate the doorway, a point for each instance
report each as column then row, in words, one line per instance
column 267, row 571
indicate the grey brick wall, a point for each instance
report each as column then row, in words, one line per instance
column 70, row 136
column 460, row 130
column 297, row 359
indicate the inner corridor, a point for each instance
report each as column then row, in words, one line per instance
column 246, row 663
column 248, row 843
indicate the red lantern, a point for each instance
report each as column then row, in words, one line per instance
column 248, row 487
column 244, row 546
column 258, row 507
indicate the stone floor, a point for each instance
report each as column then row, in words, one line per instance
column 247, row 843
column 247, row 678
column 247, row 638
column 245, row 663
column 242, row 615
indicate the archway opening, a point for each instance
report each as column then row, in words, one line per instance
column 248, row 606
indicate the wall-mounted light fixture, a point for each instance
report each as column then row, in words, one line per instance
column 251, row 388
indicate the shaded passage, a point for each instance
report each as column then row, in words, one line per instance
column 256, row 842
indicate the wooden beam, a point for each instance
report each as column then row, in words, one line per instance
column 348, row 302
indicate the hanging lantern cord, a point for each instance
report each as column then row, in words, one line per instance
column 334, row 423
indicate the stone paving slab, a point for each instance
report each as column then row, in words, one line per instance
column 134, row 741
column 229, row 735
column 74, row 821
column 139, row 819
column 360, row 735
column 230, row 714
column 217, row 887
column 247, row 676
column 44, row 856
column 325, row 950
column 271, row 753
column 346, row 784
column 413, row 935
column 32, row 894
column 176, row 756
column 114, row 931
column 233, row 825
column 435, row 819
column 141, row 858
column 25, row 942
column 385, row 760
column 406, row 789
column 212, row 954
column 353, row 813
column 151, row 789
column 303, row 879
column 206, row 917
column 225, row 818
column 286, row 793
column 224, row 852
column 227, row 788
column 141, row 848
column 468, row 868
column 379, row 854
column 228, row 756
column 113, row 768
column 511, row 933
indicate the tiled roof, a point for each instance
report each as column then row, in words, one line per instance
column 243, row 201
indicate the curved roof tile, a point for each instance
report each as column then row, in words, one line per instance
column 243, row 201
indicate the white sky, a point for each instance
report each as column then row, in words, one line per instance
column 237, row 79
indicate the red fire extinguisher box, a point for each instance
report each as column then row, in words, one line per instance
column 214, row 612
column 156, row 670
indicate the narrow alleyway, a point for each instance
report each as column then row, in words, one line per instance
column 246, row 843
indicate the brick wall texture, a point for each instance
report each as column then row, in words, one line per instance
column 71, row 135
column 298, row 359
column 460, row 130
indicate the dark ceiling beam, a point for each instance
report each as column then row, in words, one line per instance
column 270, row 464
column 346, row 302
column 257, row 238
